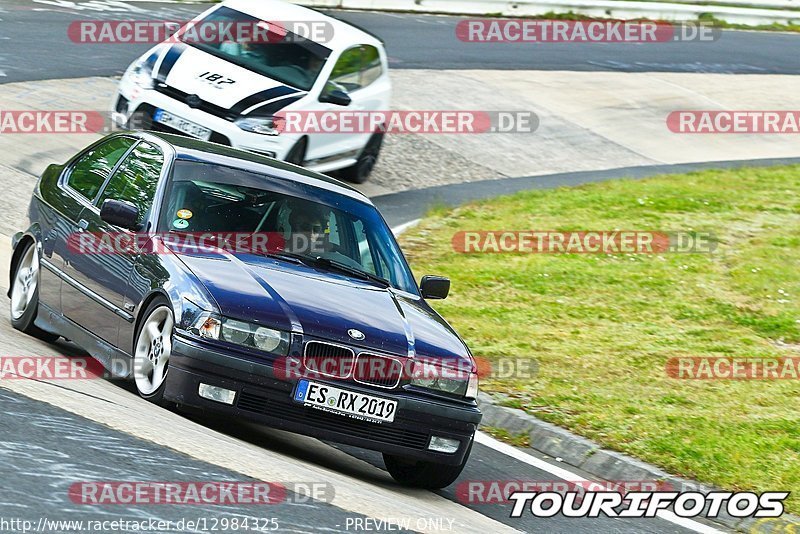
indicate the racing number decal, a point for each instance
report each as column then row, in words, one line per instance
column 215, row 78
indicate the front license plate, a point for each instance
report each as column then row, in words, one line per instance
column 182, row 125
column 343, row 402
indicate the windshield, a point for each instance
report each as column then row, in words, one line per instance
column 290, row 59
column 209, row 198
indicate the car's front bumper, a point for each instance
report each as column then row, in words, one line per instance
column 143, row 103
column 263, row 398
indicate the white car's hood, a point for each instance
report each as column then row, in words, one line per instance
column 187, row 69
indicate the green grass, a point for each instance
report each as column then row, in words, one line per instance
column 602, row 327
column 517, row 440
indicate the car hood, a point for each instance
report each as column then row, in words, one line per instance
column 324, row 305
column 187, row 69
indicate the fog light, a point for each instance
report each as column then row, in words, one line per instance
column 217, row 394
column 447, row 445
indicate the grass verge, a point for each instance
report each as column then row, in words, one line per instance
column 602, row 327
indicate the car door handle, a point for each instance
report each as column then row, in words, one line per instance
column 83, row 224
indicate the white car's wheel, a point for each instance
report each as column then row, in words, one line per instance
column 152, row 351
column 367, row 160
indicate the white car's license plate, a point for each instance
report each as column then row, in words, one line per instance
column 182, row 125
column 343, row 402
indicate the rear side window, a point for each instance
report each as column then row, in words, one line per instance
column 93, row 168
column 136, row 179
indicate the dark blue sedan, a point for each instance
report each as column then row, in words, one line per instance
column 231, row 283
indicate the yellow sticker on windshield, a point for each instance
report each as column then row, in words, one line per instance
column 184, row 214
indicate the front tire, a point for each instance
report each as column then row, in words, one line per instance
column 152, row 351
column 366, row 161
column 25, row 294
column 422, row 474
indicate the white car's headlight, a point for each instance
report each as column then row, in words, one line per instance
column 241, row 333
column 141, row 72
column 259, row 125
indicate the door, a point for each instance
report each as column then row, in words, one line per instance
column 98, row 275
column 358, row 72
column 76, row 190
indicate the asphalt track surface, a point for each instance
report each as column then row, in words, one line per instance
column 44, row 449
column 34, row 45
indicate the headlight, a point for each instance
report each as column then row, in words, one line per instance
column 141, row 72
column 242, row 333
column 453, row 381
column 259, row 125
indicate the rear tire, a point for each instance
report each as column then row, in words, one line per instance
column 422, row 474
column 366, row 161
column 25, row 294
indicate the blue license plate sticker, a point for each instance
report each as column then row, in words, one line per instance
column 158, row 114
column 301, row 391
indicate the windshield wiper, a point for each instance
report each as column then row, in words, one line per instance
column 290, row 257
column 328, row 264
column 334, row 265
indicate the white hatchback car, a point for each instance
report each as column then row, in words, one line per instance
column 228, row 92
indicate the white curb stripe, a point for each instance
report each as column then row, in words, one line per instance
column 569, row 476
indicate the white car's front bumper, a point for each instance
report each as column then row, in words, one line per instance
column 224, row 131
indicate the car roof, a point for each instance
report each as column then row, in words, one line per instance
column 187, row 148
column 344, row 35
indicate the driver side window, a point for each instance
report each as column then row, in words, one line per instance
column 356, row 68
column 347, row 71
column 136, row 179
column 94, row 167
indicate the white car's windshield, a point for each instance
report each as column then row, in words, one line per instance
column 290, row 58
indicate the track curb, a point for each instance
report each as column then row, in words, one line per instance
column 576, row 451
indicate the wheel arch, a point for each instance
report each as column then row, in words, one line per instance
column 21, row 240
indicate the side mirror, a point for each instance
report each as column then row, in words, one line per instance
column 336, row 97
column 120, row 213
column 435, row 287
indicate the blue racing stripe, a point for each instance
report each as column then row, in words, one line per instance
column 169, row 61
column 262, row 96
column 275, row 106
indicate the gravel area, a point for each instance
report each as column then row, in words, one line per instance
column 410, row 161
